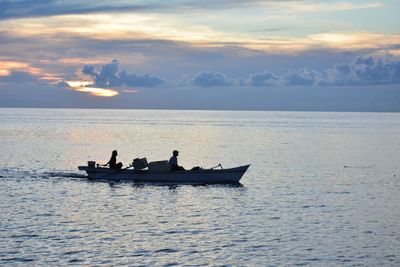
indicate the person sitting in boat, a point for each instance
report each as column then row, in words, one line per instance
column 113, row 161
column 173, row 162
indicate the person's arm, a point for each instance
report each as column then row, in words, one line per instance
column 108, row 163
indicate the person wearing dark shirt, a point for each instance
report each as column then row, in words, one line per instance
column 113, row 161
column 173, row 162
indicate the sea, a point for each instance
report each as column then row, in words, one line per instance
column 323, row 189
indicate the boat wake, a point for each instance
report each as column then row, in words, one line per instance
column 16, row 173
column 359, row 167
column 65, row 174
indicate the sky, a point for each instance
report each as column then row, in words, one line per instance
column 186, row 54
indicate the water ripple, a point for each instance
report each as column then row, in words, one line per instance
column 297, row 205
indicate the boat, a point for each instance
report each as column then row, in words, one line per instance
column 200, row 176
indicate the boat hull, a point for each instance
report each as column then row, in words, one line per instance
column 220, row 176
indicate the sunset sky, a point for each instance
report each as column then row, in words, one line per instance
column 200, row 54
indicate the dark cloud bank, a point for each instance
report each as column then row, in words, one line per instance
column 362, row 70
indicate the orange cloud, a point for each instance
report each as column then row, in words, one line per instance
column 86, row 60
column 165, row 27
column 132, row 58
column 355, row 40
column 7, row 67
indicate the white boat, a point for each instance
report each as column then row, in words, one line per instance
column 202, row 176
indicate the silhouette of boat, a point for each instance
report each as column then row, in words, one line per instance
column 201, row 176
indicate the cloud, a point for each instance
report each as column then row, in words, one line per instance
column 135, row 27
column 32, row 8
column 6, row 67
column 89, row 70
column 110, row 76
column 302, row 77
column 262, row 79
column 145, row 80
column 365, row 70
column 362, row 70
column 18, row 71
column 314, row 6
column 210, row 79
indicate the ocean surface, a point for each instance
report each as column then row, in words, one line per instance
column 323, row 189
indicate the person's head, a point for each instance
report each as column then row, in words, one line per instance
column 175, row 153
column 115, row 153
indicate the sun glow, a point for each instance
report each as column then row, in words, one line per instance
column 77, row 84
column 98, row 91
column 82, row 86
